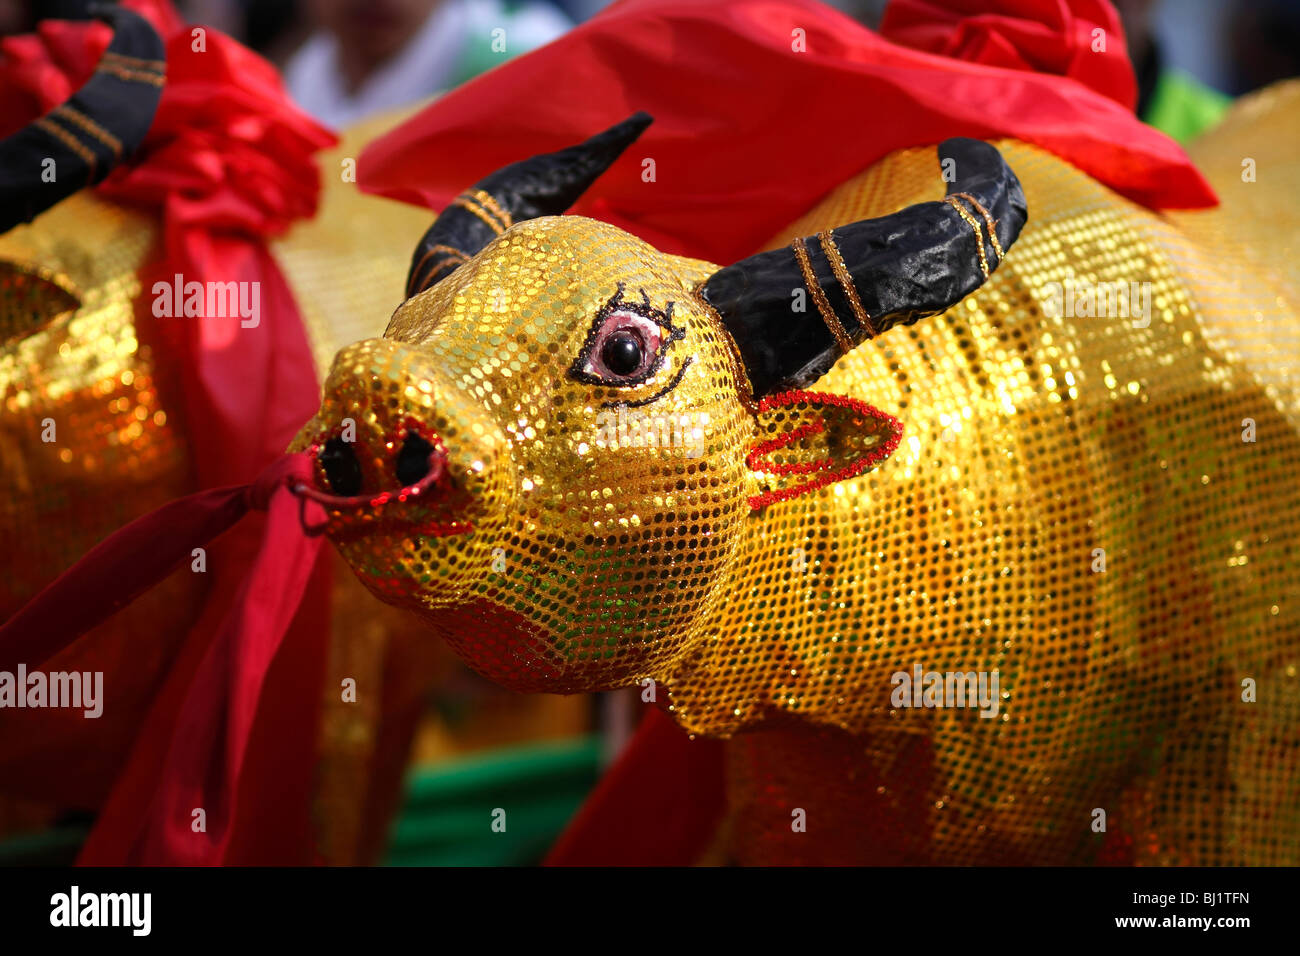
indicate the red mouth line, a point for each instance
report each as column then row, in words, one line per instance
column 443, row 529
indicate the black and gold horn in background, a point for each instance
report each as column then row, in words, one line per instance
column 80, row 141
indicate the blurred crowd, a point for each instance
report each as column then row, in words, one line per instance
column 344, row 60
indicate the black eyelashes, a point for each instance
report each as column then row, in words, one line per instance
column 647, row 328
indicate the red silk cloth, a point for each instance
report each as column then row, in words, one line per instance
column 658, row 805
column 228, row 163
column 1081, row 39
column 749, row 133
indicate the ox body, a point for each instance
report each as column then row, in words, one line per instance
column 1072, row 514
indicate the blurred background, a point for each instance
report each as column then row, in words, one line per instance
column 349, row 61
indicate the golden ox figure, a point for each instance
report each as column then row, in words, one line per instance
column 1035, row 604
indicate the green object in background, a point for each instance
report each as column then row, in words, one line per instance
column 446, row 819
column 57, row 846
column 1184, row 107
column 449, row 810
column 500, row 30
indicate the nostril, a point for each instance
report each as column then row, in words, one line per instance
column 342, row 470
column 413, row 459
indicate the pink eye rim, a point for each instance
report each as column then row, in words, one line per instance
column 652, row 328
column 624, row 324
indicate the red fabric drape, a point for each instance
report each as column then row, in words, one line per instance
column 659, row 805
column 202, row 730
column 114, row 573
column 1080, row 39
column 763, row 106
column 192, row 751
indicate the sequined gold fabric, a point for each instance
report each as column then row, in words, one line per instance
column 1035, row 443
column 84, row 426
column 1030, row 442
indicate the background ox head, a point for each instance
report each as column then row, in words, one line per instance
column 554, row 451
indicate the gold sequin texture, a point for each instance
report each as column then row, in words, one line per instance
column 1033, row 441
column 86, row 432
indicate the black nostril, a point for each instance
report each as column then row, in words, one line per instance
column 342, row 470
column 413, row 460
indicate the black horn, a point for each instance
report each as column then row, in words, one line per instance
column 95, row 129
column 544, row 185
column 867, row 277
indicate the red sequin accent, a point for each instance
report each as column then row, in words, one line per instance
column 825, row 468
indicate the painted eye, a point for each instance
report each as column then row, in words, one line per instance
column 624, row 350
column 627, row 343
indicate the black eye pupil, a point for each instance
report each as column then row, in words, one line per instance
column 342, row 470
column 413, row 460
column 622, row 352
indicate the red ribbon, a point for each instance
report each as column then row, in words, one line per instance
column 206, row 746
column 1081, row 39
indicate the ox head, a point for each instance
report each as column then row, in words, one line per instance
column 546, row 453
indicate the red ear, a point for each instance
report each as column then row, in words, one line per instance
column 838, row 438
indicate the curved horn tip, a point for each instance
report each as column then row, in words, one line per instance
column 965, row 142
column 971, row 158
column 915, row 262
column 543, row 185
column 622, row 134
column 640, row 119
column 111, row 115
column 979, row 166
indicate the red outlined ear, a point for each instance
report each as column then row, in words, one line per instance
column 826, row 437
